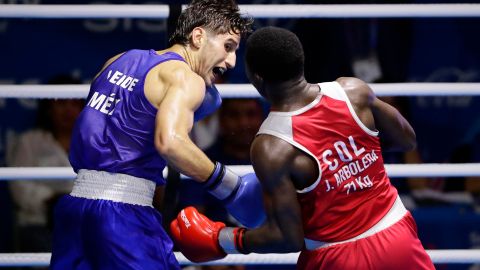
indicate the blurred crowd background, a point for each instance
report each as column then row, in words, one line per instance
column 36, row 132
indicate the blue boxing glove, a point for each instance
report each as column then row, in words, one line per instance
column 241, row 195
column 211, row 102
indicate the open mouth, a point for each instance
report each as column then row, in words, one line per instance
column 218, row 71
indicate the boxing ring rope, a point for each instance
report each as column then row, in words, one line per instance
column 246, row 90
column 257, row 11
column 393, row 170
column 438, row 256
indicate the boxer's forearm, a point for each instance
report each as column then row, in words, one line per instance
column 271, row 240
column 283, row 230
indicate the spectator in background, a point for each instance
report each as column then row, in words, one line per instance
column 239, row 120
column 46, row 145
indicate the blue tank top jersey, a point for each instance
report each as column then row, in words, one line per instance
column 115, row 130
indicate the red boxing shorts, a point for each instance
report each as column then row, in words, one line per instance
column 394, row 248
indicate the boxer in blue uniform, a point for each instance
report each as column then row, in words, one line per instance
column 139, row 112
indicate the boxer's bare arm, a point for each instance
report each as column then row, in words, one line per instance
column 272, row 160
column 181, row 94
column 394, row 130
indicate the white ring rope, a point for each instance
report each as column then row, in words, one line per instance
column 83, row 11
column 438, row 256
column 257, row 11
column 393, row 170
column 246, row 90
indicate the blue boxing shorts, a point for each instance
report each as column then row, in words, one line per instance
column 107, row 222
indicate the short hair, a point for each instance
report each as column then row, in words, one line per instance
column 275, row 54
column 218, row 16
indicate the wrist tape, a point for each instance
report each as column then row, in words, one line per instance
column 222, row 182
column 232, row 240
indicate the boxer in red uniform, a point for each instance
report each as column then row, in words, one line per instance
column 318, row 157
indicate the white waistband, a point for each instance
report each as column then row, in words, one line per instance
column 395, row 213
column 113, row 187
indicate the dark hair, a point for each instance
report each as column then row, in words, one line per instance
column 275, row 54
column 218, row 16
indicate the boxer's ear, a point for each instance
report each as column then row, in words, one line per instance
column 197, row 37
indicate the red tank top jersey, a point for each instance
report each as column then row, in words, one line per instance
column 353, row 191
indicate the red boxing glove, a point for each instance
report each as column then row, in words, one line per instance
column 197, row 236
